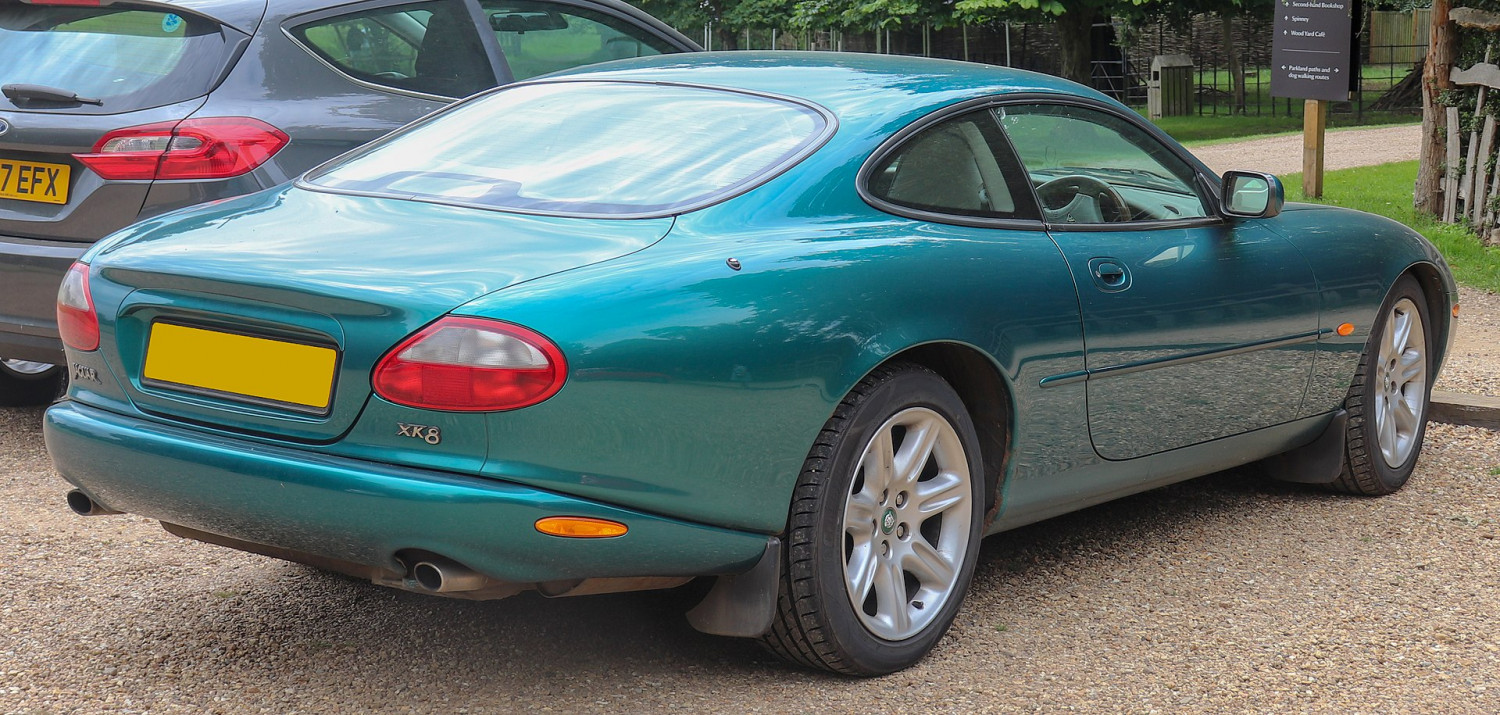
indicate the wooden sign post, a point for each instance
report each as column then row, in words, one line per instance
column 1313, row 44
column 1314, row 124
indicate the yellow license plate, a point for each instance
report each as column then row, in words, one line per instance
column 241, row 365
column 30, row 181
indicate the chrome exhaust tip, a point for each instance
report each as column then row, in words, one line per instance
column 83, row 505
column 447, row 577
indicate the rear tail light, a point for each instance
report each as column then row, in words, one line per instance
column 471, row 365
column 77, row 322
column 204, row 148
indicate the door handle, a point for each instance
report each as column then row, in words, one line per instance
column 1112, row 274
column 1109, row 274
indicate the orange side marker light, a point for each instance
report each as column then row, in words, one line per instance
column 580, row 527
column 1346, row 329
column 1455, row 310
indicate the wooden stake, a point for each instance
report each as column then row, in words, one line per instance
column 1489, row 213
column 1478, row 197
column 1314, row 121
column 1450, row 172
column 1468, row 189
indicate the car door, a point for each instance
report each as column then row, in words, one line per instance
column 1195, row 327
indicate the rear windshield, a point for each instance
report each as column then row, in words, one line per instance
column 587, row 149
column 125, row 58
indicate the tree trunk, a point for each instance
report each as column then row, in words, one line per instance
column 727, row 39
column 1236, row 68
column 1075, row 32
column 1427, row 195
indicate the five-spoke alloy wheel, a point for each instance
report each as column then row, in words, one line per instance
column 1387, row 404
column 884, row 528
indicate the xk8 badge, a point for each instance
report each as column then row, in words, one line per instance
column 430, row 435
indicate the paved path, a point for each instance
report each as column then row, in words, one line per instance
column 1345, row 149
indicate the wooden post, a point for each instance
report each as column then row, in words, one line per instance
column 1478, row 196
column 1450, row 172
column 1314, row 122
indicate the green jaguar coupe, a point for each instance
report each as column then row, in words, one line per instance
column 804, row 326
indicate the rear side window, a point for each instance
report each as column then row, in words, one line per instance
column 125, row 58
column 960, row 166
column 587, row 149
column 428, row 47
column 542, row 37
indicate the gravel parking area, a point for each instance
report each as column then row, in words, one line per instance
column 1474, row 367
column 1343, row 149
column 1225, row 594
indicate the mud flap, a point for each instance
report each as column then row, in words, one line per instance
column 742, row 605
column 1317, row 462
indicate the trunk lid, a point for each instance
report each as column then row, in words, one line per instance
column 350, row 273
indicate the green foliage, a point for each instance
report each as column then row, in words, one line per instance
column 873, row 14
column 1386, row 190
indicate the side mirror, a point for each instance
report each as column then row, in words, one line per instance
column 1252, row 194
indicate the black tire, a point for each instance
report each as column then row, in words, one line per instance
column 1367, row 470
column 21, row 389
column 817, row 624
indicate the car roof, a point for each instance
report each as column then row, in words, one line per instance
column 856, row 87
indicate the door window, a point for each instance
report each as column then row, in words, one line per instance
column 960, row 166
column 1091, row 167
column 542, row 37
column 428, row 47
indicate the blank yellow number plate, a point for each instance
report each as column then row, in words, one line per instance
column 241, row 365
column 27, row 181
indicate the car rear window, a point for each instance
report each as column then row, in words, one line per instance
column 587, row 148
column 126, row 58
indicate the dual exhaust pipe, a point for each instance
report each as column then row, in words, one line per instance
column 435, row 575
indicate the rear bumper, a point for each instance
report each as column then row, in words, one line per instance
column 30, row 271
column 365, row 512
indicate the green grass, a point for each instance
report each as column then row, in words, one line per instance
column 1386, row 190
column 1195, row 130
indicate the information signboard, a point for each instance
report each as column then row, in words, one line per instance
column 1311, row 53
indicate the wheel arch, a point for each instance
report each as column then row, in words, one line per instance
column 1439, row 307
column 987, row 395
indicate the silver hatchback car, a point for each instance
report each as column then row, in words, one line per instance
column 118, row 110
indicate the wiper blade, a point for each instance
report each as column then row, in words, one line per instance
column 43, row 93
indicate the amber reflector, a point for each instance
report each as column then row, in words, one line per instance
column 580, row 527
column 1455, row 310
column 1346, row 329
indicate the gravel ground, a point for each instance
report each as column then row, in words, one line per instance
column 1226, row 594
column 1474, row 367
column 1343, row 149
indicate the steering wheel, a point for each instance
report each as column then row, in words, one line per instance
column 1081, row 199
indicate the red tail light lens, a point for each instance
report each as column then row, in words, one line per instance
column 205, row 148
column 77, row 322
column 471, row 365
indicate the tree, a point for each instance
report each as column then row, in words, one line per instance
column 1427, row 195
column 1074, row 20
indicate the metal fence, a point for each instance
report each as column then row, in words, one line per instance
column 1391, row 46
